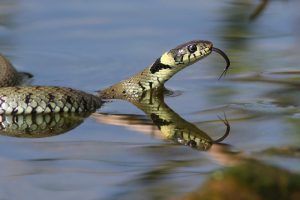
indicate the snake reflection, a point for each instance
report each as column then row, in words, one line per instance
column 171, row 125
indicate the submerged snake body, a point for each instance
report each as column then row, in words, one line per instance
column 49, row 99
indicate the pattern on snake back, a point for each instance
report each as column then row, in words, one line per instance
column 36, row 99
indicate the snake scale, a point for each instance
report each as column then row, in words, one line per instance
column 16, row 100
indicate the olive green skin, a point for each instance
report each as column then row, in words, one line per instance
column 155, row 75
column 46, row 99
column 8, row 74
column 19, row 100
column 42, row 111
column 49, row 99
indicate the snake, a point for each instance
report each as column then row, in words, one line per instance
column 16, row 99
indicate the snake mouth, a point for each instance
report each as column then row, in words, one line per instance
column 219, row 51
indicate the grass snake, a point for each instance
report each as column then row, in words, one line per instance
column 16, row 100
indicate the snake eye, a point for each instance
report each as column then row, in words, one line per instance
column 192, row 48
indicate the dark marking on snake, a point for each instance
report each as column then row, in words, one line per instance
column 14, row 111
column 69, row 100
column 143, row 95
column 140, row 84
column 157, row 66
column 33, row 110
column 158, row 121
column 50, row 107
column 158, row 80
column 51, row 97
column 150, row 85
column 158, row 108
column 28, row 97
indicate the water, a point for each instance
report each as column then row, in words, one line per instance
column 122, row 155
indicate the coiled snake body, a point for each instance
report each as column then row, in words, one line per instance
column 17, row 100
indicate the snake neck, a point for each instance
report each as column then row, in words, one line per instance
column 153, row 77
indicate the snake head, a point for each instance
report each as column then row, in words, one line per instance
column 177, row 59
column 187, row 53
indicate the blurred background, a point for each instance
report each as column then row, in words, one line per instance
column 90, row 45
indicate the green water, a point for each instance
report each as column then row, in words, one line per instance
column 90, row 45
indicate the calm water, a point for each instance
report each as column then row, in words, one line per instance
column 89, row 45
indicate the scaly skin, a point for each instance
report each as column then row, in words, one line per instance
column 18, row 100
column 8, row 74
column 160, row 71
column 49, row 99
column 57, row 109
column 45, row 99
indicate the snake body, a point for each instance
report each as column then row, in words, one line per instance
column 8, row 74
column 46, row 99
column 50, row 99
